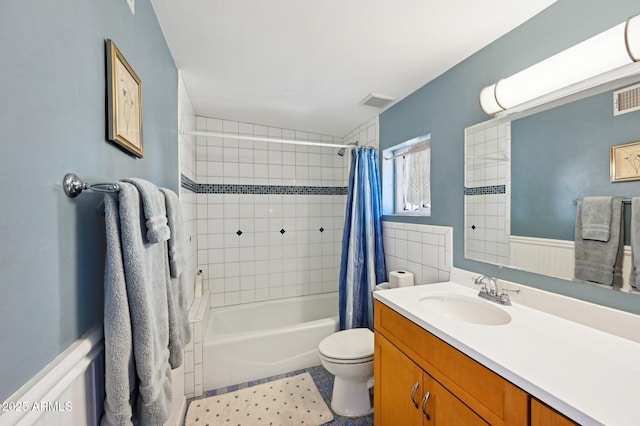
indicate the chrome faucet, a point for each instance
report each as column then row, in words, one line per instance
column 493, row 288
column 493, row 293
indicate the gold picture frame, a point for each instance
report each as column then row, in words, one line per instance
column 124, row 102
column 625, row 162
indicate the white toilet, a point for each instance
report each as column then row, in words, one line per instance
column 348, row 355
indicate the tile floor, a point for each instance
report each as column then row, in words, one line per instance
column 324, row 382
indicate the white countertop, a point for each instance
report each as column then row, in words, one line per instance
column 591, row 376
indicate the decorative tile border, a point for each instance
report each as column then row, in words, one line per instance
column 217, row 188
column 187, row 183
column 485, row 190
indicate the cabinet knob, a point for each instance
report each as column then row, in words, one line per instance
column 424, row 406
column 413, row 393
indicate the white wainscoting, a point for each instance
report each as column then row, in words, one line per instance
column 70, row 390
column 553, row 257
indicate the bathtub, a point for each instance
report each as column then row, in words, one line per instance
column 256, row 340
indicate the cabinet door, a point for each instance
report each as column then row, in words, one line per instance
column 442, row 408
column 396, row 380
column 542, row 415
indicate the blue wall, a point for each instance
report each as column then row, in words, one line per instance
column 52, row 121
column 447, row 105
column 567, row 152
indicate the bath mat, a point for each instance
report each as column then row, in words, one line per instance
column 289, row 401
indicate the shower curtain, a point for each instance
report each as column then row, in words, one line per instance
column 362, row 265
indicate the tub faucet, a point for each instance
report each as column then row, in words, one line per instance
column 492, row 293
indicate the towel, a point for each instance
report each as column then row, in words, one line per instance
column 634, row 278
column 154, row 210
column 120, row 372
column 176, row 227
column 596, row 218
column 179, row 328
column 598, row 261
column 142, row 268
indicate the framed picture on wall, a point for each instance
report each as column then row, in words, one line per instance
column 124, row 102
column 625, row 162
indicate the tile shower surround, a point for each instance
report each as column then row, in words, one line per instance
column 187, row 155
column 269, row 216
column 268, row 246
column 193, row 374
column 487, row 193
column 187, row 159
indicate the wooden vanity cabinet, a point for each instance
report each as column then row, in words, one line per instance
column 461, row 391
column 402, row 387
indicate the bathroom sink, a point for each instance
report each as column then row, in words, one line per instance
column 466, row 309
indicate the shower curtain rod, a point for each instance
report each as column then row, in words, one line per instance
column 264, row 139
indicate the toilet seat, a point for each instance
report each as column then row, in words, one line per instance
column 352, row 346
column 346, row 361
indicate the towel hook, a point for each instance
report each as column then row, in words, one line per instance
column 73, row 186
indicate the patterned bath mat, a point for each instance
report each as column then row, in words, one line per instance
column 289, row 401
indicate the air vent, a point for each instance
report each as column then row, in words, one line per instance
column 377, row 100
column 626, row 100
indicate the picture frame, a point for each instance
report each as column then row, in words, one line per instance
column 625, row 162
column 124, row 102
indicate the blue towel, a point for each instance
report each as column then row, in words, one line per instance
column 137, row 286
column 179, row 328
column 598, row 261
column 155, row 211
column 634, row 278
column 596, row 218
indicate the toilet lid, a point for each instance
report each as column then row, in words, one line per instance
column 355, row 343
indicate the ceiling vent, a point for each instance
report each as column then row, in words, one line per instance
column 377, row 100
column 626, row 100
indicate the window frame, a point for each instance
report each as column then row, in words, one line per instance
column 391, row 166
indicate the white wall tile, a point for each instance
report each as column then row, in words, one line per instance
column 423, row 250
column 263, row 264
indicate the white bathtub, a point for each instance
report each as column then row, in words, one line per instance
column 256, row 340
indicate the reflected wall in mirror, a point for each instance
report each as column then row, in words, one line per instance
column 523, row 175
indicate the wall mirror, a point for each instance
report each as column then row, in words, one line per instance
column 524, row 171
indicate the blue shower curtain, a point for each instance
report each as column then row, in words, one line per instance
column 362, row 265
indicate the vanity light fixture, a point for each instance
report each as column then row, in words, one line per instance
column 607, row 51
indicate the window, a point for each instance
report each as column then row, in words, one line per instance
column 409, row 165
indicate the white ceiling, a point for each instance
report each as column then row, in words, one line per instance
column 306, row 65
